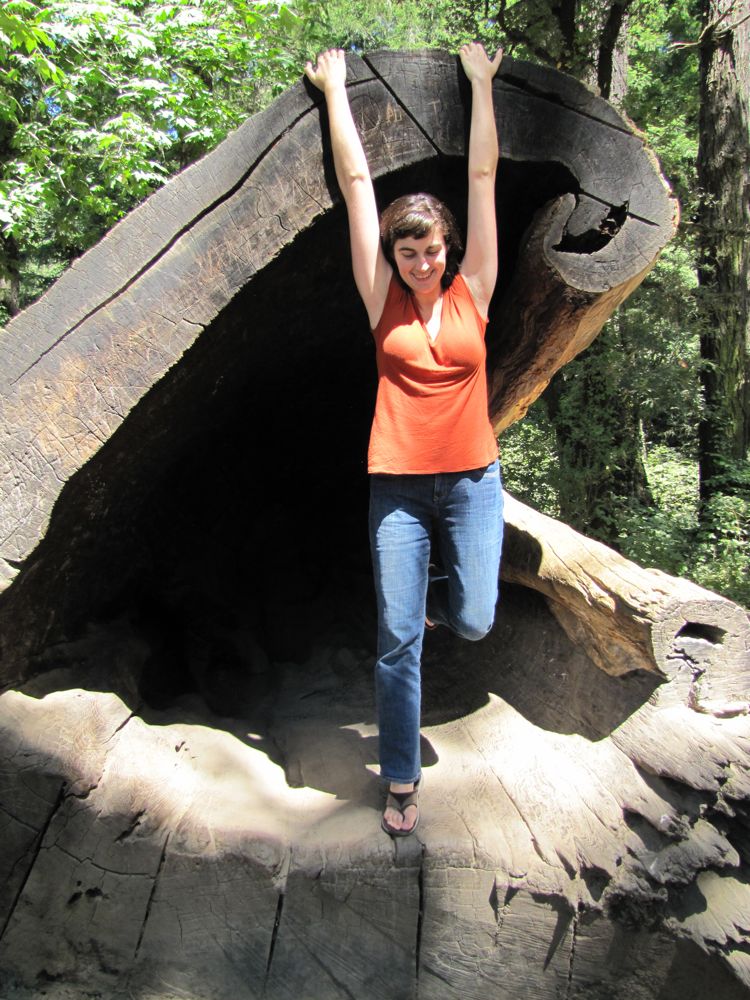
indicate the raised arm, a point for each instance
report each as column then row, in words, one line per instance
column 479, row 266
column 371, row 270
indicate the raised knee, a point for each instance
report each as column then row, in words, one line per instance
column 473, row 630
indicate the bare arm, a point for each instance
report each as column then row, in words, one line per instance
column 479, row 266
column 371, row 270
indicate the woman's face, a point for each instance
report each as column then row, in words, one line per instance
column 421, row 262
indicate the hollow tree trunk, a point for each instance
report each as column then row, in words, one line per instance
column 92, row 370
column 188, row 802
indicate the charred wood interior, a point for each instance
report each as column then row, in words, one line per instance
column 249, row 458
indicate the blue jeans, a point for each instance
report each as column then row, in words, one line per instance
column 465, row 511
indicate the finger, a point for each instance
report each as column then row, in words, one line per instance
column 497, row 60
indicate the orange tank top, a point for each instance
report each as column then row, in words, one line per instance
column 431, row 408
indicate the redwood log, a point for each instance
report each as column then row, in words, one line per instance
column 630, row 618
column 168, row 321
column 188, row 804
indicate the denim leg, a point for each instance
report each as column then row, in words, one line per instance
column 470, row 534
column 400, row 543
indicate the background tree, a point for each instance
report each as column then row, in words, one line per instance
column 724, row 246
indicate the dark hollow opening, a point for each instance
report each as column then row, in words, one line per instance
column 257, row 527
column 700, row 630
column 226, row 520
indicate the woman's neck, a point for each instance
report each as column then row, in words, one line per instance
column 426, row 303
column 430, row 310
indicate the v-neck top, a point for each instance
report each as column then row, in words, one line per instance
column 431, row 408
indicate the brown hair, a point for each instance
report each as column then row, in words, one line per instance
column 415, row 215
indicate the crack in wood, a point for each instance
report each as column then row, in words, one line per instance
column 151, row 896
column 608, row 204
column 565, row 915
column 90, row 861
column 280, row 880
column 572, row 954
column 16, row 819
column 120, row 727
column 173, row 240
column 274, row 937
column 36, row 848
column 420, row 915
column 403, row 107
column 526, row 87
column 501, row 911
column 131, row 828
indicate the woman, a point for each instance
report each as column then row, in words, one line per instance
column 433, row 456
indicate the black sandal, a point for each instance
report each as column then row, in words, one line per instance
column 400, row 801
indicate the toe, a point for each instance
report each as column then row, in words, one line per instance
column 393, row 818
column 409, row 820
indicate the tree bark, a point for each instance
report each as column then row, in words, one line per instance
column 612, row 52
column 724, row 222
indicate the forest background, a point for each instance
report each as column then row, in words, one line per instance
column 641, row 441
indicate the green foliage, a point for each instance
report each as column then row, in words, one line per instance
column 659, row 536
column 720, row 560
column 25, row 45
column 660, row 367
column 137, row 90
column 662, row 96
column 714, row 553
column 366, row 25
column 667, row 534
column 529, row 458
